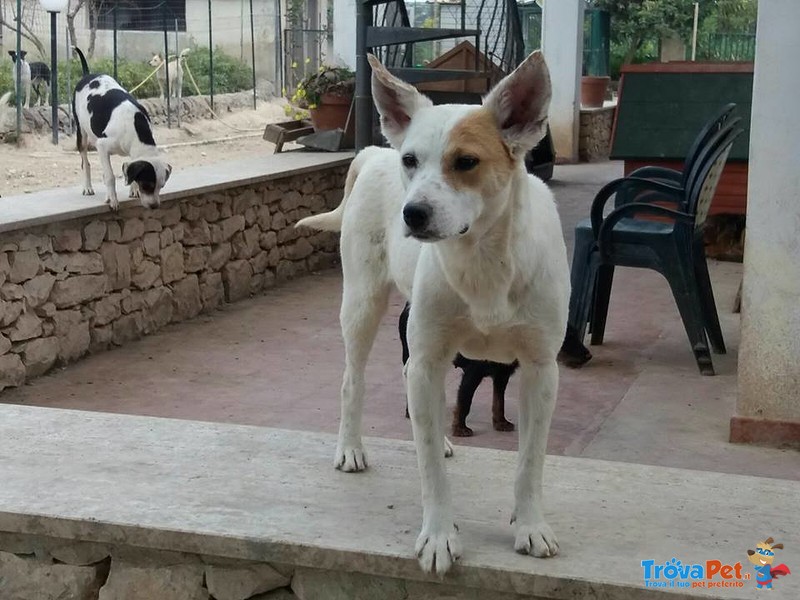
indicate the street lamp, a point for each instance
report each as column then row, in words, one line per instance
column 54, row 7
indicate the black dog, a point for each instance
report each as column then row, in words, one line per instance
column 573, row 354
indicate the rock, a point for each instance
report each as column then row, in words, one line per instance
column 100, row 338
column 24, row 264
column 132, row 229
column 243, row 201
column 290, row 200
column 197, row 235
column 186, row 298
column 9, row 312
column 12, row 372
column 37, row 290
column 282, row 594
column 220, row 254
column 82, row 263
column 159, row 306
column 196, row 258
column 113, row 231
column 212, row 292
column 146, row 275
column 39, row 356
column 231, row 225
column 152, row 225
column 5, row 267
column 278, row 221
column 268, row 240
column 190, row 212
column 259, row 262
column 67, row 240
column 318, row 584
column 241, row 583
column 166, row 237
column 151, row 244
column 78, row 290
column 48, row 309
column 26, row 327
column 132, row 582
column 106, row 310
column 5, row 344
column 25, row 578
column 93, row 235
column 170, row 216
column 117, row 263
column 264, row 218
column 236, row 277
column 73, row 334
column 300, row 249
column 132, row 302
column 80, row 553
column 178, row 231
column 209, row 212
column 286, row 270
column 127, row 328
column 172, row 263
column 12, row 291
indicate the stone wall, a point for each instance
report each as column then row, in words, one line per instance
column 43, row 568
column 595, row 133
column 81, row 286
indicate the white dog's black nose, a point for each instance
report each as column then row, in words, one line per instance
column 417, row 216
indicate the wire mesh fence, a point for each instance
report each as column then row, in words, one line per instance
column 212, row 47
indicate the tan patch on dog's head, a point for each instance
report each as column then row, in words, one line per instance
column 477, row 136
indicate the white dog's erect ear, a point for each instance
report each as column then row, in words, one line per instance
column 396, row 101
column 520, row 103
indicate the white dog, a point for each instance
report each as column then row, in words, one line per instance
column 451, row 218
column 175, row 73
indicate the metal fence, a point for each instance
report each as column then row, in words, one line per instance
column 725, row 47
column 227, row 46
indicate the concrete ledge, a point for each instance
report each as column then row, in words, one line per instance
column 49, row 206
column 256, row 494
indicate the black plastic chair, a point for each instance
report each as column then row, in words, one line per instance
column 673, row 245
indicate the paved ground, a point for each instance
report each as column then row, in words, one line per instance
column 276, row 360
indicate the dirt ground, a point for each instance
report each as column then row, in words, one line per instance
column 36, row 164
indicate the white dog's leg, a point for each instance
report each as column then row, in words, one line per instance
column 88, row 190
column 134, row 190
column 438, row 545
column 360, row 316
column 539, row 384
column 108, row 175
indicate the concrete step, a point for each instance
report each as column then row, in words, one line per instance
column 250, row 493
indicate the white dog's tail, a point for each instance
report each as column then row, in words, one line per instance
column 332, row 221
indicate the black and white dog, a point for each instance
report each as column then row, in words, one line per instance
column 34, row 75
column 111, row 120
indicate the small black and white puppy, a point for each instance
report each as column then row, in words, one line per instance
column 35, row 75
column 111, row 120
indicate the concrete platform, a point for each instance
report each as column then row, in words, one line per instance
column 272, row 495
column 276, row 360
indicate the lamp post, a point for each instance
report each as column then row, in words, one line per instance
column 54, row 7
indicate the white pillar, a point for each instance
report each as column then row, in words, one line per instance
column 769, row 358
column 562, row 44
column 344, row 32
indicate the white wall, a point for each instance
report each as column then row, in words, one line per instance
column 769, row 357
column 344, row 32
column 562, row 44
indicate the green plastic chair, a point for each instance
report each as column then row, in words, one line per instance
column 673, row 246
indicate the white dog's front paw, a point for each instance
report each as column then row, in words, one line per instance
column 134, row 192
column 88, row 191
column 350, row 459
column 437, row 549
column 113, row 203
column 448, row 448
column 536, row 539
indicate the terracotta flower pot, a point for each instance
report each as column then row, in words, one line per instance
column 593, row 91
column 331, row 112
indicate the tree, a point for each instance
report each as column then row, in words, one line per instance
column 94, row 7
column 633, row 22
column 27, row 16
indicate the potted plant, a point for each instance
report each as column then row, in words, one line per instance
column 327, row 95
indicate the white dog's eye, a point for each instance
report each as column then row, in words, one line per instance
column 466, row 163
column 409, row 161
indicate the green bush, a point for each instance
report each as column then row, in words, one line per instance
column 230, row 74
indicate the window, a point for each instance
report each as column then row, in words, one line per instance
column 139, row 15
